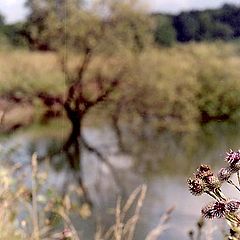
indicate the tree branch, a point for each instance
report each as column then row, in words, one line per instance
column 49, row 99
column 82, row 68
column 75, row 91
column 104, row 93
column 64, row 68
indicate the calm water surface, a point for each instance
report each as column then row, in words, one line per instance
column 162, row 162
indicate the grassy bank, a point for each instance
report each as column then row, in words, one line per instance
column 25, row 71
column 181, row 86
column 32, row 71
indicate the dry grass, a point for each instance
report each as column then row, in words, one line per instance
column 35, row 224
column 124, row 227
column 29, row 71
column 26, row 71
column 8, row 225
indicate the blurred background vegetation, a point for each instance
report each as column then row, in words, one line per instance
column 179, row 77
column 147, row 95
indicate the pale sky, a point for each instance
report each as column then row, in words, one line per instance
column 14, row 10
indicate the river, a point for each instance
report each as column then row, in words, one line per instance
column 162, row 162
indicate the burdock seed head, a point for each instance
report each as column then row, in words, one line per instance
column 211, row 182
column 224, row 174
column 203, row 171
column 233, row 159
column 232, row 205
column 220, row 209
column 214, row 210
column 196, row 186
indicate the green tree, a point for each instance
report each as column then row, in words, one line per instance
column 2, row 20
column 222, row 31
column 12, row 33
column 222, row 23
column 164, row 32
column 2, row 27
column 229, row 15
column 186, row 25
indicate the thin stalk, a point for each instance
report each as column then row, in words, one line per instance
column 233, row 219
column 219, row 194
column 232, row 183
column 36, row 234
column 212, row 195
column 137, row 212
column 69, row 223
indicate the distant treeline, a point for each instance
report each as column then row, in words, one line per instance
column 222, row 23
column 205, row 25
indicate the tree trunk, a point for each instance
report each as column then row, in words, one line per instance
column 73, row 144
column 73, row 149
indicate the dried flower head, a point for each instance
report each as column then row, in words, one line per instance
column 206, row 181
column 203, row 171
column 211, row 182
column 233, row 159
column 220, row 209
column 232, row 205
column 196, row 186
column 224, row 174
column 214, row 210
